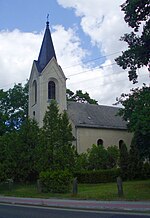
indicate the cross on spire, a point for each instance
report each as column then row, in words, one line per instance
column 47, row 17
column 47, row 22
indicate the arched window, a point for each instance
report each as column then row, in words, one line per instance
column 99, row 142
column 121, row 142
column 34, row 92
column 51, row 90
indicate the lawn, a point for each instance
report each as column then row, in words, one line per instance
column 133, row 190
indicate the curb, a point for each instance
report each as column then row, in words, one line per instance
column 131, row 207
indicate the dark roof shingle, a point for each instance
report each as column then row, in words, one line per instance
column 47, row 51
column 95, row 116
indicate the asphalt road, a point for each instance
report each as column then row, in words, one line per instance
column 14, row 211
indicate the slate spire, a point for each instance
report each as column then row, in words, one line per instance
column 47, row 51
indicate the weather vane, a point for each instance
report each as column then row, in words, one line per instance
column 47, row 17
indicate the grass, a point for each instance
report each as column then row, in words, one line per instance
column 133, row 190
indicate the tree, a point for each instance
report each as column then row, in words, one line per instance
column 135, row 162
column 136, row 112
column 81, row 162
column 17, row 152
column 79, row 96
column 55, row 151
column 137, row 15
column 13, row 108
column 7, row 154
column 97, row 157
column 28, row 140
column 113, row 155
column 124, row 161
column 142, row 143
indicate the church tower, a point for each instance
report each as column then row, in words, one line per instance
column 47, row 81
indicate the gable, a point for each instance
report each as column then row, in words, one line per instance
column 34, row 72
column 54, row 70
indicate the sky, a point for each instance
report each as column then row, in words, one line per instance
column 85, row 35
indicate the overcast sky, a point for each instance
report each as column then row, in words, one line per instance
column 85, row 34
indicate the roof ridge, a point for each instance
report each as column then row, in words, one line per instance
column 95, row 105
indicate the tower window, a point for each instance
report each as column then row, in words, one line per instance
column 99, row 142
column 51, row 90
column 34, row 92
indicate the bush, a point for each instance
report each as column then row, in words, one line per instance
column 3, row 176
column 98, row 157
column 146, row 170
column 124, row 161
column 56, row 181
column 98, row 176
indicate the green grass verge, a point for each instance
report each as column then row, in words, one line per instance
column 133, row 190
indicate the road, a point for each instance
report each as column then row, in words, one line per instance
column 17, row 211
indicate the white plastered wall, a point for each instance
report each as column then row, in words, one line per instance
column 86, row 137
column 52, row 72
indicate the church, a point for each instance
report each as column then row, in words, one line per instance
column 91, row 124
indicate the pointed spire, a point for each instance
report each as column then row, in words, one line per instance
column 47, row 51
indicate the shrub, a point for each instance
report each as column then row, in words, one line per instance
column 124, row 161
column 97, row 157
column 3, row 176
column 98, row 176
column 146, row 170
column 113, row 154
column 56, row 181
column 81, row 162
column 135, row 167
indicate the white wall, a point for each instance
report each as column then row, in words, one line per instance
column 86, row 137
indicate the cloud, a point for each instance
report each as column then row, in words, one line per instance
column 19, row 49
column 68, row 46
column 102, row 22
column 17, row 52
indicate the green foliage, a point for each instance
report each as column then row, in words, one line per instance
column 113, row 155
column 137, row 15
column 97, row 176
column 81, row 162
column 3, row 175
column 13, row 108
column 136, row 12
column 137, row 112
column 134, row 191
column 79, row 96
column 65, row 129
column 124, row 161
column 97, row 158
column 56, row 181
column 8, row 155
column 100, row 158
column 55, row 150
column 146, row 170
column 17, row 152
column 135, row 163
column 28, row 140
column 142, row 142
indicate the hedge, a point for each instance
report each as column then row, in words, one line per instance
column 55, row 181
column 98, row 176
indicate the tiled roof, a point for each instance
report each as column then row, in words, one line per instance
column 95, row 116
column 47, row 51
